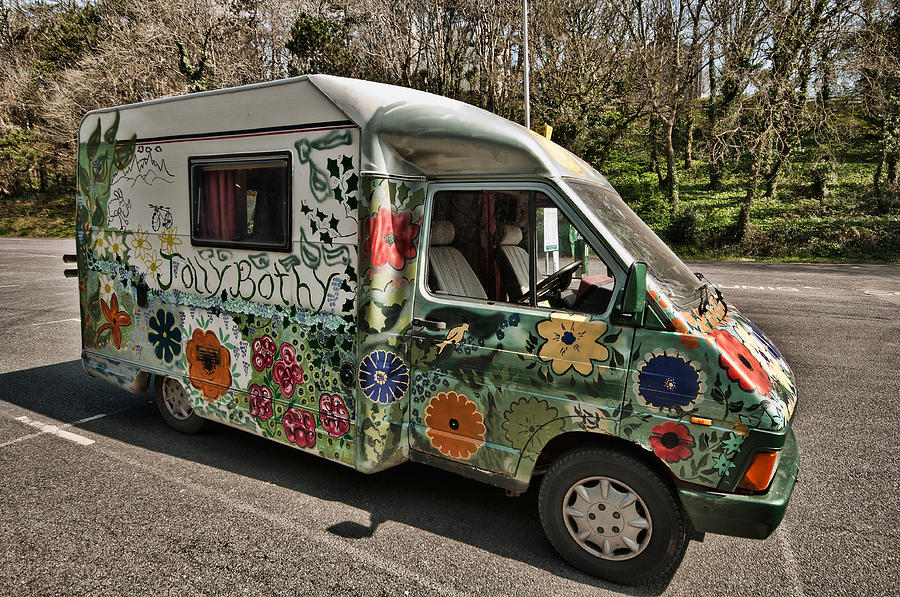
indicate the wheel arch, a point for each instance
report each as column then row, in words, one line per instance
column 570, row 440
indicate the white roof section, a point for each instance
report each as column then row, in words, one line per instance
column 404, row 132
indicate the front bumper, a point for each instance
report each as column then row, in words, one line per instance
column 752, row 516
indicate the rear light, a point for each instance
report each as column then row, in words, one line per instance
column 762, row 469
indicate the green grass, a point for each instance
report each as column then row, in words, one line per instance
column 37, row 214
column 795, row 225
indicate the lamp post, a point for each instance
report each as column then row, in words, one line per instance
column 527, row 93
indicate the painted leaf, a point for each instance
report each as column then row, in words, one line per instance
column 93, row 143
column 110, row 135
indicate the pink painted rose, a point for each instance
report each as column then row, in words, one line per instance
column 263, row 351
column 300, row 427
column 260, row 402
column 287, row 372
column 333, row 415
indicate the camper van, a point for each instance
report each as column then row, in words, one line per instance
column 373, row 275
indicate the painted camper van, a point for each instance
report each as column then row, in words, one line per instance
column 374, row 274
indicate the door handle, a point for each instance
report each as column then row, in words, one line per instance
column 429, row 324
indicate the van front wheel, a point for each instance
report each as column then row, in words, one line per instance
column 174, row 405
column 609, row 514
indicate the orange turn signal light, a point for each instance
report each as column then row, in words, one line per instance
column 762, row 469
column 701, row 421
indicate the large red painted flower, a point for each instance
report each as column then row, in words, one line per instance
column 740, row 364
column 390, row 238
column 333, row 415
column 286, row 372
column 260, row 402
column 263, row 351
column 671, row 442
column 300, row 427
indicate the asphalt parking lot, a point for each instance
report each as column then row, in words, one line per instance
column 117, row 503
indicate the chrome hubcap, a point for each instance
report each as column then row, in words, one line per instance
column 176, row 399
column 607, row 518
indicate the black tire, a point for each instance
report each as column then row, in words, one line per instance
column 191, row 423
column 661, row 544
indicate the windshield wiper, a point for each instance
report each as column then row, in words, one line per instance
column 704, row 297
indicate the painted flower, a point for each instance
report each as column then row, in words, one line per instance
column 454, row 425
column 764, row 351
column 740, row 365
column 169, row 240
column 733, row 443
column 333, row 415
column 529, row 418
column 383, row 376
column 390, row 238
column 152, row 263
column 165, row 337
column 300, row 427
column 263, row 352
column 107, row 288
column 115, row 243
column 114, row 320
column 286, row 372
column 671, row 441
column 722, row 464
column 571, row 342
column 668, row 381
column 209, row 364
column 100, row 243
column 140, row 243
column 260, row 402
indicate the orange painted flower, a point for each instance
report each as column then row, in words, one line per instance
column 209, row 365
column 455, row 427
column 115, row 319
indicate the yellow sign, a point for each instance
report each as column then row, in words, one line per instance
column 546, row 130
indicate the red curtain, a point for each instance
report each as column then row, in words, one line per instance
column 219, row 218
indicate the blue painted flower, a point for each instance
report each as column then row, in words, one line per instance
column 668, row 381
column 165, row 337
column 383, row 376
column 514, row 319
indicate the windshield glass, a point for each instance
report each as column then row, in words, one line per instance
column 671, row 275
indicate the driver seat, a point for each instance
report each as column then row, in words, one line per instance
column 514, row 263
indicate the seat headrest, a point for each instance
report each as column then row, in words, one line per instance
column 512, row 235
column 442, row 233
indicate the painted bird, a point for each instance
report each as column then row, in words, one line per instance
column 454, row 336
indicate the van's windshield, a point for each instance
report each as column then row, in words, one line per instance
column 671, row 275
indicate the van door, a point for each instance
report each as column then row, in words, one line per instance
column 511, row 339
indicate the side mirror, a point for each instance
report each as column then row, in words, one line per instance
column 634, row 296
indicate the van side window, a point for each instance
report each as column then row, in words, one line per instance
column 241, row 201
column 515, row 247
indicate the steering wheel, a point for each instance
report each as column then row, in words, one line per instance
column 555, row 283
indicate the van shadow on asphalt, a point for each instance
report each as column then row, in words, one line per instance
column 430, row 499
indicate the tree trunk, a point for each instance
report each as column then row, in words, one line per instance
column 772, row 176
column 689, row 139
column 671, row 166
column 715, row 167
column 743, row 221
column 654, row 154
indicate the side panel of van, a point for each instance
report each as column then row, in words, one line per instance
column 260, row 332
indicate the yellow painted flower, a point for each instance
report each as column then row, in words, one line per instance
column 169, row 240
column 572, row 342
column 140, row 243
column 152, row 263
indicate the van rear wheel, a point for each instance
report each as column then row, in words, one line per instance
column 612, row 516
column 174, row 405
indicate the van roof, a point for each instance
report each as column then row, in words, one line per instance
column 410, row 132
column 405, row 132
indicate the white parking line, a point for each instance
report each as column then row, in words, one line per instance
column 56, row 430
column 57, row 321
